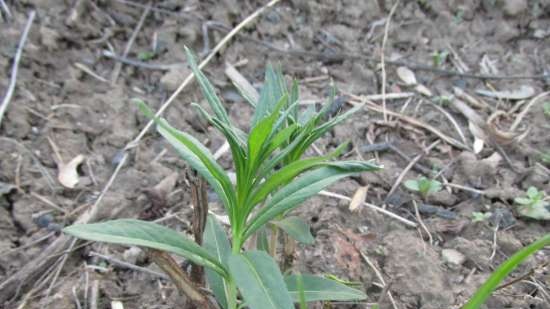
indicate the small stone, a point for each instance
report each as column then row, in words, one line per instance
column 453, row 257
column 514, row 7
column 133, row 255
column 173, row 79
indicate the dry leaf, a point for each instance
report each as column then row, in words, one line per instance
column 479, row 137
column 116, row 304
column 406, row 75
column 493, row 160
column 68, row 175
column 358, row 198
column 500, row 136
column 524, row 92
column 244, row 86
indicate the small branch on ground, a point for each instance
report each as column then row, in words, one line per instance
column 200, row 213
column 182, row 281
column 7, row 98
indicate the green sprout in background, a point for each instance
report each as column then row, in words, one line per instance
column 439, row 57
column 424, row 186
column 533, row 204
column 480, row 216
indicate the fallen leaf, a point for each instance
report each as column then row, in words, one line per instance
column 406, row 75
column 358, row 198
column 68, row 175
column 479, row 137
column 523, row 92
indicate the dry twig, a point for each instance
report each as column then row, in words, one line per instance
column 118, row 65
column 7, row 98
column 382, row 60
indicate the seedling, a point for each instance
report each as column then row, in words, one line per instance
column 439, row 57
column 271, row 180
column 480, row 216
column 424, row 186
column 533, row 205
column 146, row 55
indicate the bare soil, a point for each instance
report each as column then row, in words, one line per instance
column 58, row 106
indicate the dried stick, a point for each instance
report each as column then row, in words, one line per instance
column 526, row 109
column 382, row 60
column 371, row 206
column 414, row 122
column 380, row 277
column 180, row 279
column 42, row 262
column 118, row 65
column 15, row 67
column 200, row 213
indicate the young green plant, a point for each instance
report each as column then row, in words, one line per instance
column 424, row 186
column 270, row 182
column 533, row 204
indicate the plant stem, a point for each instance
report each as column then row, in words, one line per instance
column 231, row 292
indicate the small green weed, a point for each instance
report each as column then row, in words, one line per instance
column 480, row 216
column 533, row 204
column 439, row 58
column 424, row 186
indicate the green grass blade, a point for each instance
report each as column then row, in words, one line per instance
column 503, row 271
column 146, row 234
column 260, row 281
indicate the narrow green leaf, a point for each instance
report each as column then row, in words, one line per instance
column 260, row 281
column 303, row 188
column 196, row 155
column 273, row 90
column 289, row 172
column 207, row 89
column 296, row 228
column 133, row 232
column 322, row 289
column 200, row 158
column 281, row 137
column 412, row 185
column 503, row 271
column 259, row 135
column 217, row 244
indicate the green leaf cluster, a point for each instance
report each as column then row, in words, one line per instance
column 424, row 186
column 533, row 205
column 272, row 179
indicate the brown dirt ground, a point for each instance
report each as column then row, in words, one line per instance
column 57, row 104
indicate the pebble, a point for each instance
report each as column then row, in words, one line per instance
column 514, row 7
column 453, row 257
column 173, row 78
